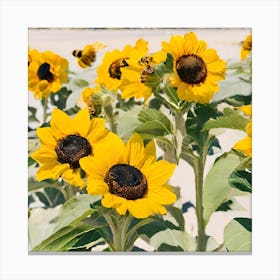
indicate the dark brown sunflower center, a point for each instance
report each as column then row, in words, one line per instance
column 191, row 69
column 126, row 181
column 71, row 149
column 44, row 73
column 115, row 68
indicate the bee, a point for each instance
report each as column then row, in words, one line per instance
column 115, row 68
column 145, row 60
column 87, row 56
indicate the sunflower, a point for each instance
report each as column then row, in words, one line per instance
column 129, row 177
column 91, row 97
column 246, row 47
column 196, row 69
column 65, row 142
column 46, row 73
column 87, row 56
column 136, row 81
column 245, row 144
column 109, row 73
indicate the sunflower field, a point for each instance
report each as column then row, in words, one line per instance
column 140, row 140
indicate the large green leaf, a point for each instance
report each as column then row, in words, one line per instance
column 216, row 187
column 179, row 240
column 231, row 119
column 64, row 239
column 237, row 238
column 75, row 209
column 154, row 123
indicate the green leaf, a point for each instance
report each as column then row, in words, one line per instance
column 154, row 122
column 231, row 204
column 63, row 240
column 168, row 147
column 216, row 188
column 231, row 119
column 155, row 103
column 245, row 222
column 214, row 146
column 242, row 180
column 174, row 238
column 75, row 209
column 32, row 114
column 59, row 98
column 80, row 83
column 127, row 122
column 197, row 117
column 51, row 197
column 237, row 238
column 178, row 215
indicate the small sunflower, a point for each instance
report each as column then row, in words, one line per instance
column 109, row 73
column 136, row 76
column 47, row 72
column 246, row 47
column 87, row 56
column 245, row 144
column 65, row 142
column 196, row 69
column 129, row 177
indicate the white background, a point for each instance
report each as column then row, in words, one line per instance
column 17, row 16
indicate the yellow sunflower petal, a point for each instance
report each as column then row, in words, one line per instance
column 96, row 187
column 73, row 177
column 46, row 136
column 134, row 151
column 140, row 208
column 162, row 195
column 110, row 200
column 97, row 130
column 158, row 173
column 82, row 122
column 61, row 123
column 50, row 171
column 45, row 155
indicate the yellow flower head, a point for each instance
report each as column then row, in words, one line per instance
column 245, row 144
column 196, row 69
column 65, row 143
column 141, row 65
column 246, row 47
column 46, row 73
column 129, row 177
column 91, row 97
column 109, row 73
column 87, row 56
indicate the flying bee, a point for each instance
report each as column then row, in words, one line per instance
column 87, row 56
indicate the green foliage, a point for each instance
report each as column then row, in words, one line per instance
column 175, row 239
column 153, row 123
column 242, row 180
column 50, row 197
column 59, row 98
column 32, row 114
column 231, row 119
column 216, row 187
column 237, row 237
column 75, row 209
column 197, row 117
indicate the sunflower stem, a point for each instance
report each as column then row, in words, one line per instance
column 45, row 108
column 199, row 180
